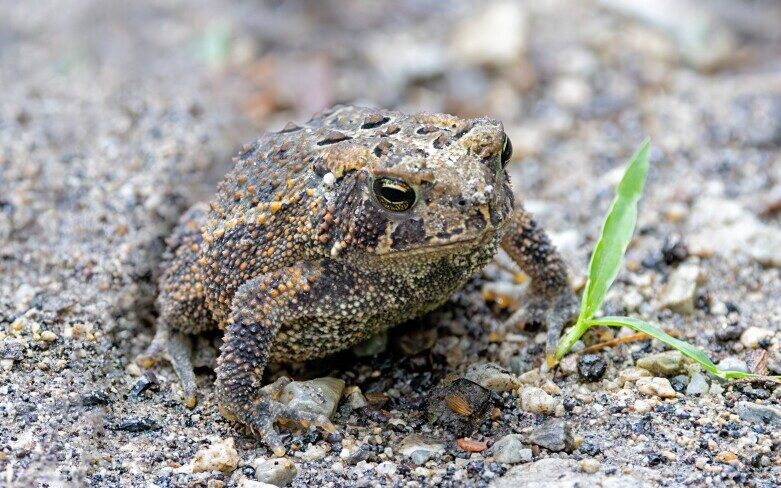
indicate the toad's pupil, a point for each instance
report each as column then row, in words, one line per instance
column 393, row 194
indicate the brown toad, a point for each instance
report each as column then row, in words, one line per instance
column 328, row 233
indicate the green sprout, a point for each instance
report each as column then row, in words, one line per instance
column 606, row 262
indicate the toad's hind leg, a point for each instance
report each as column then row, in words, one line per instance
column 181, row 303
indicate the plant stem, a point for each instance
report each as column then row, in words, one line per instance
column 571, row 337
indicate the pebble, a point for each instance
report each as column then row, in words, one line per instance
column 248, row 483
column 724, row 227
column 493, row 377
column 276, row 471
column 679, row 382
column 507, row 22
column 420, row 448
column 589, row 465
column 354, row 398
column 656, row 386
column 753, row 335
column 221, row 456
column 386, row 468
column 421, row 456
column 553, row 434
column 732, row 363
column 536, row 400
column 665, row 363
column 320, row 395
column 760, row 414
column 591, row 367
column 729, row 333
column 569, row 364
column 562, row 473
column 137, row 424
column 48, row 336
column 698, row 384
column 632, row 374
column 644, row 405
column 680, row 291
column 509, row 449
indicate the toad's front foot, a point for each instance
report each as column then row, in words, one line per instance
column 553, row 312
column 176, row 348
column 266, row 411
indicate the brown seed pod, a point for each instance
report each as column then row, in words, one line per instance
column 471, row 445
column 459, row 405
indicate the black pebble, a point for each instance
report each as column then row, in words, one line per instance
column 591, row 367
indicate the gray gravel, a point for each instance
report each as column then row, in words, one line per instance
column 116, row 116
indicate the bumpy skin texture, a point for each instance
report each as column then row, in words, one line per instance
column 301, row 255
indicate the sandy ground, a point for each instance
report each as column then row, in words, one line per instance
column 116, row 116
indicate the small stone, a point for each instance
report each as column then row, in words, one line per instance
column 752, row 336
column 589, row 465
column 386, row 468
column 421, row 456
column 698, row 384
column 48, row 336
column 276, row 471
column 591, row 367
column 10, row 349
column 94, row 398
column 760, row 414
column 320, row 396
column 729, row 333
column 732, row 363
column 536, row 400
column 492, row 377
column 314, row 452
column 420, row 448
column 656, row 386
column 147, row 380
column 680, row 291
column 632, row 300
column 553, row 434
column 136, row 424
column 509, row 24
column 509, row 449
column 726, row 457
column 665, row 363
column 679, row 382
column 220, row 456
column 354, row 398
column 248, row 483
column 644, row 405
column 569, row 364
column 632, row 374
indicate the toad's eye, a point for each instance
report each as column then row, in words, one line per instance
column 393, row 194
column 507, row 151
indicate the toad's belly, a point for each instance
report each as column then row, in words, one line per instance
column 318, row 337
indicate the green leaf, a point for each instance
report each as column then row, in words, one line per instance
column 616, row 233
column 686, row 349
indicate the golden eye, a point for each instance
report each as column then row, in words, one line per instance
column 393, row 194
column 507, row 150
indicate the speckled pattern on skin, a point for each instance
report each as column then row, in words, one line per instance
column 325, row 234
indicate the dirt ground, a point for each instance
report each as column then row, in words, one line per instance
column 116, row 116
